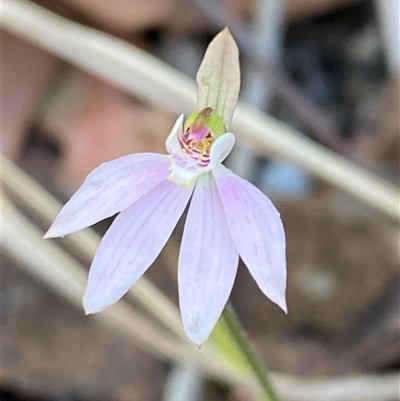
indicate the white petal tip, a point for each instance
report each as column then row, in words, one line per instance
column 53, row 232
column 198, row 340
column 50, row 233
column 91, row 307
column 92, row 311
column 197, row 336
column 283, row 306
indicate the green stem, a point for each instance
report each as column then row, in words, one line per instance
column 241, row 340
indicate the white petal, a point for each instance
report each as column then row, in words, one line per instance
column 132, row 243
column 257, row 231
column 184, row 169
column 108, row 189
column 172, row 142
column 185, row 174
column 208, row 262
column 220, row 149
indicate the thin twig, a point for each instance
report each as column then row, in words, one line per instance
column 148, row 78
column 378, row 387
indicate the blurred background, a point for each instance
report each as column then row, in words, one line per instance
column 329, row 69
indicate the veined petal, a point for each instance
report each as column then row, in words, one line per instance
column 218, row 78
column 108, row 189
column 132, row 243
column 208, row 262
column 257, row 231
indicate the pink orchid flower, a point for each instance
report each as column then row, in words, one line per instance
column 228, row 217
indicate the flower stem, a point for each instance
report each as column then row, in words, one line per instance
column 241, row 340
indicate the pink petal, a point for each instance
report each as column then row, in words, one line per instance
column 132, row 243
column 110, row 188
column 208, row 262
column 257, row 231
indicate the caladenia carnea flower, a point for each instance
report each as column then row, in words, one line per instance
column 228, row 217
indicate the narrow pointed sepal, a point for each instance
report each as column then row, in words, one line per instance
column 109, row 189
column 218, row 78
column 257, row 231
column 132, row 243
column 207, row 264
